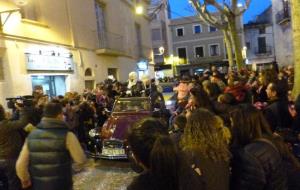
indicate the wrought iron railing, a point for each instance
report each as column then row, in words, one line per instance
column 263, row 50
column 111, row 41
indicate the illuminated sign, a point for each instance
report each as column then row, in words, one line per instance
column 36, row 62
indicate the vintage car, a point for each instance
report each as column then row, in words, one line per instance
column 112, row 135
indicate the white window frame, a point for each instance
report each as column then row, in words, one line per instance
column 212, row 26
column 182, row 31
column 196, row 52
column 194, row 28
column 219, row 50
column 186, row 51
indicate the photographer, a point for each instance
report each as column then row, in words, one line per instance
column 10, row 145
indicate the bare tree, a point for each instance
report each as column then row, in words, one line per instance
column 296, row 40
column 225, row 20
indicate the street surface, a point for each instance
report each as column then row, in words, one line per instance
column 104, row 175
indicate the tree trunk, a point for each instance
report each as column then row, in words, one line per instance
column 236, row 43
column 228, row 45
column 296, row 39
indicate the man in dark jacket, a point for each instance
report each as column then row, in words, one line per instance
column 10, row 145
column 277, row 113
column 47, row 153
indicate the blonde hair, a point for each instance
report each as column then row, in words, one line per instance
column 205, row 132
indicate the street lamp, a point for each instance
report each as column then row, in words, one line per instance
column 139, row 9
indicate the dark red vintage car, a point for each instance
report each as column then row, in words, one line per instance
column 125, row 113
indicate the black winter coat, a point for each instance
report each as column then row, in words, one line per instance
column 10, row 138
column 258, row 166
column 277, row 115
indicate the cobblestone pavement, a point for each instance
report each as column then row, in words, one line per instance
column 104, row 175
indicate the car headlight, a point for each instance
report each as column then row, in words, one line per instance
column 93, row 132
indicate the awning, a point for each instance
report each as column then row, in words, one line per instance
column 8, row 7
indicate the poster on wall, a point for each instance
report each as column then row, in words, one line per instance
column 36, row 62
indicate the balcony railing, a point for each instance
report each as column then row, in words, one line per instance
column 283, row 16
column 110, row 44
column 263, row 50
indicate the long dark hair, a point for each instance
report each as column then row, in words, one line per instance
column 151, row 145
column 249, row 124
column 202, row 99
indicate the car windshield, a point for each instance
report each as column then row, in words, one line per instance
column 128, row 105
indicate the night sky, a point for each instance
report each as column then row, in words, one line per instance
column 181, row 8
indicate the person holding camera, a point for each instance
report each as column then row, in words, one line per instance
column 10, row 145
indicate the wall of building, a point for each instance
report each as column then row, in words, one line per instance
column 282, row 37
column 70, row 25
column 251, row 36
column 190, row 40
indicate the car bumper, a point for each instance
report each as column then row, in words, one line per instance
column 107, row 157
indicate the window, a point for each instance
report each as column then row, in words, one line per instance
column 262, row 30
column 182, row 54
column 179, row 32
column 100, row 16
column 199, row 51
column 262, row 45
column 214, row 50
column 139, row 40
column 30, row 11
column 197, row 29
column 156, row 34
column 1, row 70
column 212, row 29
column 88, row 72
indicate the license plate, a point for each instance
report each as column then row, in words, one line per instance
column 114, row 152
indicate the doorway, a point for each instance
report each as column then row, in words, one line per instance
column 52, row 85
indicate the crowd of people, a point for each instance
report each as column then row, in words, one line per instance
column 235, row 130
column 229, row 131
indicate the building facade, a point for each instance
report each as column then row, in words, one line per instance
column 259, row 39
column 70, row 45
column 282, row 32
column 197, row 46
column 159, row 13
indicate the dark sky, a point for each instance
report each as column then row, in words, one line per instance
column 181, row 8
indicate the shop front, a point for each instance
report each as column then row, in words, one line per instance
column 51, row 71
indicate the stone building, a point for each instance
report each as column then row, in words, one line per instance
column 69, row 45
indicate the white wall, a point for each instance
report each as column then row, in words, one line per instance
column 282, row 37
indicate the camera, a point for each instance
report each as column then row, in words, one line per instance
column 21, row 101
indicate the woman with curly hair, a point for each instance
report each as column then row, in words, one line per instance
column 205, row 149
